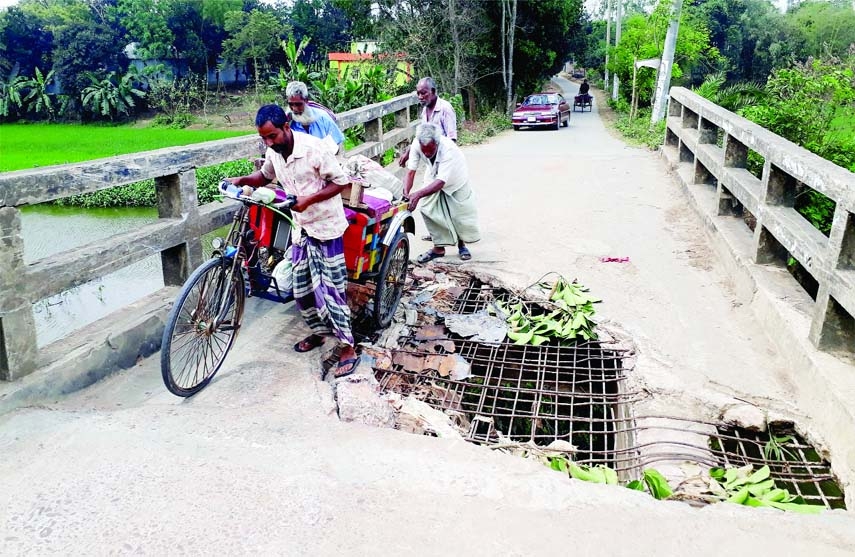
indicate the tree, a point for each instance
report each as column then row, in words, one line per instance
column 644, row 37
column 186, row 22
column 509, row 25
column 24, row 42
column 828, row 27
column 87, row 46
column 324, row 23
column 417, row 27
column 359, row 14
column 255, row 37
column 145, row 21
column 545, row 37
column 11, row 92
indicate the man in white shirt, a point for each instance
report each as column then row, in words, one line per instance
column 446, row 199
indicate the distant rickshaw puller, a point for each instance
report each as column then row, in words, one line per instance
column 446, row 199
column 305, row 168
column 583, row 95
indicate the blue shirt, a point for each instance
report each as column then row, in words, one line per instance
column 321, row 127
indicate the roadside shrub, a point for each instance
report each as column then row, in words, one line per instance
column 639, row 131
column 813, row 105
column 477, row 131
column 175, row 99
column 620, row 105
column 457, row 104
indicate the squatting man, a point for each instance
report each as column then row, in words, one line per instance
column 445, row 199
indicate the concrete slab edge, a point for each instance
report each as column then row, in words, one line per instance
column 822, row 393
column 92, row 353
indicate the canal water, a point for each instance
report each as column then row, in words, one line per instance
column 49, row 230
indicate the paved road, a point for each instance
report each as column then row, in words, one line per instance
column 259, row 464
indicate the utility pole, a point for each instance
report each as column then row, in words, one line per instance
column 663, row 80
column 609, row 41
column 618, row 18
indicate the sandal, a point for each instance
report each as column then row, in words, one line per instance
column 346, row 367
column 309, row 343
column 464, row 253
column 429, row 256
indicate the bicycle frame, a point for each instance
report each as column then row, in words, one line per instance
column 234, row 253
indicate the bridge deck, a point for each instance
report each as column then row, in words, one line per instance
column 261, row 451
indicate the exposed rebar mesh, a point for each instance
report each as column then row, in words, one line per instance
column 477, row 296
column 577, row 393
column 533, row 394
column 795, row 465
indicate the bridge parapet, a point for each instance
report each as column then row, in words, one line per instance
column 713, row 150
column 176, row 236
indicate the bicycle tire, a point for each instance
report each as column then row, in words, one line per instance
column 188, row 342
column 391, row 280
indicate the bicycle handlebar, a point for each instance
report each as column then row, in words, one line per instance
column 236, row 192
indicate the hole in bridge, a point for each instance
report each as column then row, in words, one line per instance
column 524, row 393
column 794, row 464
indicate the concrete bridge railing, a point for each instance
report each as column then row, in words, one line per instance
column 712, row 148
column 176, row 236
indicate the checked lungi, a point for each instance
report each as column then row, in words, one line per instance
column 320, row 284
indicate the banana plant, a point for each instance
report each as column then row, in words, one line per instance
column 109, row 96
column 37, row 99
column 10, row 94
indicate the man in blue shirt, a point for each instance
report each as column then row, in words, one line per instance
column 310, row 119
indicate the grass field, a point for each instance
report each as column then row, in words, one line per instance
column 25, row 146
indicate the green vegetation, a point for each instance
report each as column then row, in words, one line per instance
column 478, row 131
column 744, row 486
column 568, row 317
column 741, row 486
column 639, row 130
column 34, row 145
column 77, row 60
column 792, row 73
column 142, row 194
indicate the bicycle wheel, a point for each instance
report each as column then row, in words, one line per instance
column 391, row 280
column 194, row 346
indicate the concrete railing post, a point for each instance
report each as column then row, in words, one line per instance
column 18, row 348
column 374, row 130
column 177, row 199
column 402, row 118
column 735, row 153
column 832, row 328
